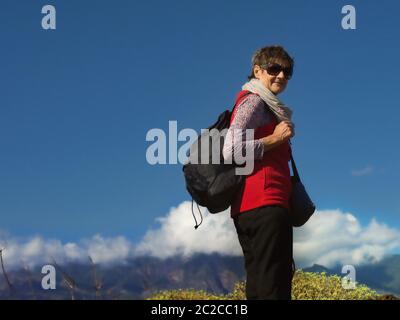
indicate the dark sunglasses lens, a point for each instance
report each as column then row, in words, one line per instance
column 274, row 69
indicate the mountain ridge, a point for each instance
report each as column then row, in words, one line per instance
column 142, row 276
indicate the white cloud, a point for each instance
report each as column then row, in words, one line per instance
column 362, row 172
column 335, row 237
column 38, row 251
column 177, row 235
column 108, row 250
column 330, row 237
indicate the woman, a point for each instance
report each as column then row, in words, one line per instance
column 261, row 209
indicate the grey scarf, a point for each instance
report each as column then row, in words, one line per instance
column 276, row 106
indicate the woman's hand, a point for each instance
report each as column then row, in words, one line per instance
column 284, row 131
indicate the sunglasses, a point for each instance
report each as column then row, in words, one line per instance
column 274, row 69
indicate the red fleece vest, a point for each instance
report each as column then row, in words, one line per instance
column 269, row 183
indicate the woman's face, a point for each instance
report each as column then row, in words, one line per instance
column 276, row 84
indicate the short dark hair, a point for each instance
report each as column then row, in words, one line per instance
column 270, row 54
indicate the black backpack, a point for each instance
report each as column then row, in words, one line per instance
column 213, row 186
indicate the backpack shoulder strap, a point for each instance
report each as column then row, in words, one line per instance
column 294, row 168
column 239, row 98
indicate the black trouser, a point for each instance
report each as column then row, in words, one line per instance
column 266, row 237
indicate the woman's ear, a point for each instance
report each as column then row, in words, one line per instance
column 256, row 71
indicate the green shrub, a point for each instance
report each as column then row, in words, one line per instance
column 305, row 286
column 185, row 294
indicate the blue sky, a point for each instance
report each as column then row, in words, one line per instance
column 76, row 104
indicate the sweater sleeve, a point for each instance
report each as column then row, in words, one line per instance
column 251, row 113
